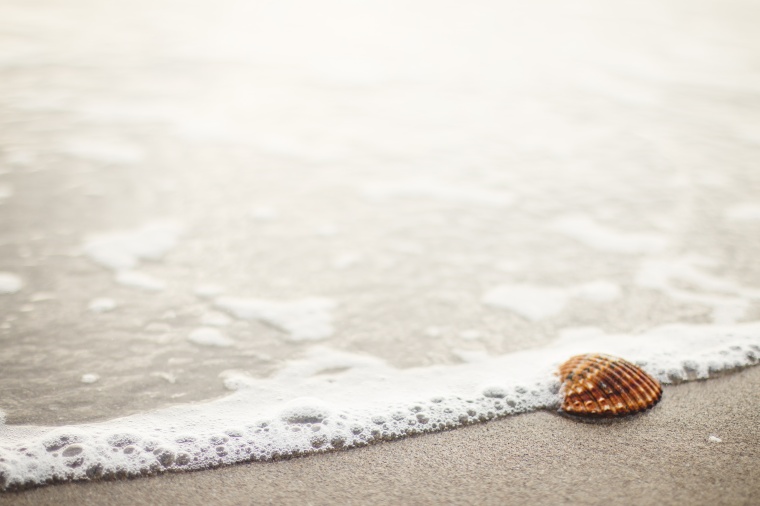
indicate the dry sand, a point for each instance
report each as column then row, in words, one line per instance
column 663, row 457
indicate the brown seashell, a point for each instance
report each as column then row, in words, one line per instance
column 602, row 386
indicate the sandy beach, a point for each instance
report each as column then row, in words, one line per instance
column 663, row 457
column 233, row 230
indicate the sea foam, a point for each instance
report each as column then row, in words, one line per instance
column 600, row 237
column 330, row 399
column 536, row 302
column 125, row 249
column 10, row 283
column 308, row 319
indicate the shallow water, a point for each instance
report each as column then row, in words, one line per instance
column 358, row 211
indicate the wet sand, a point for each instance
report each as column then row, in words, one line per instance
column 663, row 457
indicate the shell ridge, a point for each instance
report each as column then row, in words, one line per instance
column 618, row 389
column 643, row 386
column 653, row 385
column 632, row 383
column 590, row 398
column 630, row 398
column 599, row 396
column 615, row 394
column 622, row 389
column 593, row 370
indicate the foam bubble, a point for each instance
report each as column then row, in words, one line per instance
column 306, row 319
column 305, row 410
column 207, row 336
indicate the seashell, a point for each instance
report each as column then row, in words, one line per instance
column 602, row 386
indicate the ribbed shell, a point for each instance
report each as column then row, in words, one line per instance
column 601, row 386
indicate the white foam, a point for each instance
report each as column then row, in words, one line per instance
column 570, row 334
column 743, row 212
column 140, row 280
column 332, row 399
column 714, row 439
column 10, row 283
column 536, row 302
column 166, row 376
column 89, row 378
column 530, row 301
column 264, row 213
column 125, row 249
column 104, row 150
column 207, row 336
column 215, row 319
column 306, row 319
column 587, row 231
column 42, row 297
column 18, row 158
column 470, row 356
column 470, row 334
column 122, row 252
column 728, row 300
column 326, row 230
column 436, row 190
column 102, row 305
column 208, row 291
column 6, row 191
column 346, row 260
column 597, row 291
column 432, row 331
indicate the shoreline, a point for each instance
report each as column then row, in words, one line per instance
column 664, row 455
